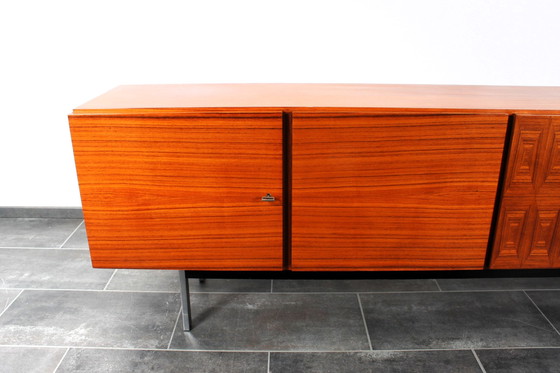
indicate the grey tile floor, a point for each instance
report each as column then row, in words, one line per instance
column 57, row 314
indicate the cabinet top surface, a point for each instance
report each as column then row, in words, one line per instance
column 176, row 97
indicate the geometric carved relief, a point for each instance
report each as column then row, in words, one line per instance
column 541, row 244
column 528, row 229
column 525, row 163
column 555, row 247
column 553, row 170
column 512, row 233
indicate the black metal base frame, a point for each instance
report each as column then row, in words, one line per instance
column 202, row 275
column 185, row 301
column 332, row 275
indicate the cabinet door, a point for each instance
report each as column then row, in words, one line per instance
column 394, row 192
column 181, row 191
column 528, row 230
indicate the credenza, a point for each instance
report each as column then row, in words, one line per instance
column 320, row 177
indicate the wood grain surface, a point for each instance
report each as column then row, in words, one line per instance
column 528, row 230
column 384, row 177
column 181, row 192
column 393, row 192
column 436, row 98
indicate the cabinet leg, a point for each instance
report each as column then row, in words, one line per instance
column 185, row 301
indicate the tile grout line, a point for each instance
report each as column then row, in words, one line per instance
column 268, row 291
column 175, row 327
column 118, row 291
column 61, row 359
column 108, row 282
column 147, row 291
column 542, row 313
column 278, row 351
column 10, row 303
column 268, row 363
column 520, row 348
column 71, row 234
column 437, row 283
column 478, row 361
column 212, row 350
column 364, row 319
column 414, row 291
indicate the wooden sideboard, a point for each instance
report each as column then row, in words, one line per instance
column 320, row 177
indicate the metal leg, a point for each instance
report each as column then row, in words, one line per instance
column 185, row 301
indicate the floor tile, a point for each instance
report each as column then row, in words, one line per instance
column 217, row 285
column 90, row 318
column 19, row 232
column 29, row 359
column 523, row 283
column 138, row 361
column 455, row 320
column 353, row 285
column 274, row 322
column 549, row 304
column 375, row 361
column 78, row 240
column 145, row 280
column 50, row 269
column 520, row 360
column 6, row 297
column 153, row 280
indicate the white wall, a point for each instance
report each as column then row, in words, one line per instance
column 57, row 54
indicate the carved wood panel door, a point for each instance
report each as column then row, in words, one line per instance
column 393, row 192
column 182, row 191
column 528, row 231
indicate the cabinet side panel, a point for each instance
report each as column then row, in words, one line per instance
column 395, row 192
column 181, row 192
